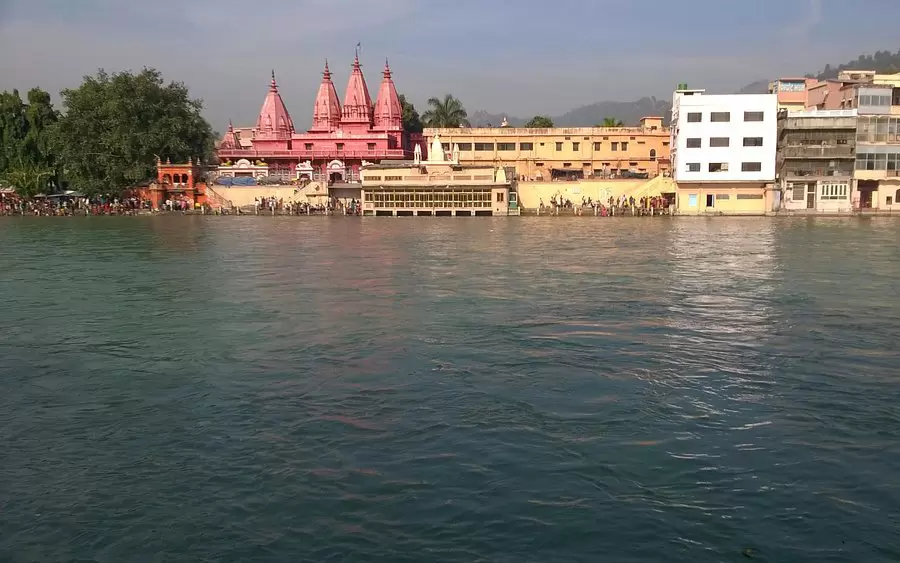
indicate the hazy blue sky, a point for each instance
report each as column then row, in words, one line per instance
column 519, row 57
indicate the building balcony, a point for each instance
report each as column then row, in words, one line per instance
column 304, row 154
column 810, row 152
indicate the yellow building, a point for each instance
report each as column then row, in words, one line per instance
column 724, row 198
column 438, row 186
column 563, row 153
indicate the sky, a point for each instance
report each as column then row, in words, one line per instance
column 516, row 57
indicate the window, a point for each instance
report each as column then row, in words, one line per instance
column 753, row 115
column 464, row 147
column 499, row 197
column 652, row 155
column 567, row 165
column 693, row 167
column 720, row 116
column 370, row 146
column 718, row 142
column 597, row 146
column 632, row 164
column 393, row 178
column 665, row 143
column 748, row 196
column 482, row 147
column 798, row 192
column 624, row 145
column 308, row 146
column 506, row 146
column 753, row 141
column 614, row 146
column 722, row 197
column 751, row 166
column 559, row 146
column 576, row 146
column 834, row 191
column 340, row 146
column 889, row 200
column 695, row 117
column 693, row 143
column 718, row 167
column 526, row 146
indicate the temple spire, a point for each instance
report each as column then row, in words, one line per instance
column 357, row 102
column 388, row 110
column 327, row 108
column 274, row 121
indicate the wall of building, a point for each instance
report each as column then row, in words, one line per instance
column 744, row 163
column 727, row 199
column 833, row 195
column 532, row 193
column 589, row 150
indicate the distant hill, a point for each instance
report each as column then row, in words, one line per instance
column 630, row 113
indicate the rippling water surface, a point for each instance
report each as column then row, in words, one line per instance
column 311, row 389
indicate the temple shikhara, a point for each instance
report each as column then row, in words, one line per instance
column 341, row 139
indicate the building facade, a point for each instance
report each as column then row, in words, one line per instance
column 439, row 186
column 791, row 92
column 816, row 160
column 564, row 153
column 340, row 140
column 877, row 173
column 723, row 152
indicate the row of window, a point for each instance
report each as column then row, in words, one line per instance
column 576, row 146
column 723, row 167
column 425, row 199
column 724, row 116
column 875, row 100
column 878, row 161
column 718, row 142
column 832, row 191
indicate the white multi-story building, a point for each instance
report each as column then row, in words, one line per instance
column 723, row 152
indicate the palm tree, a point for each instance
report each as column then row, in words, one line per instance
column 448, row 112
column 611, row 122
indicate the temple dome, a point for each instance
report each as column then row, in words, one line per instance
column 327, row 109
column 274, row 120
column 230, row 140
column 388, row 110
column 357, row 102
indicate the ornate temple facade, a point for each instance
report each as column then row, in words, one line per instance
column 341, row 139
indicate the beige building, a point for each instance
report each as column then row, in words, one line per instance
column 434, row 187
column 563, row 153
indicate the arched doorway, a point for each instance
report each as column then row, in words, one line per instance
column 336, row 171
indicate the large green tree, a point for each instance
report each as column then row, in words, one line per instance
column 446, row 112
column 27, row 159
column 115, row 125
column 540, row 122
column 412, row 123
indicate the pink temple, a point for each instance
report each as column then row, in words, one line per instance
column 340, row 139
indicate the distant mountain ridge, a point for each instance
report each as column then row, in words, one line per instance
column 630, row 113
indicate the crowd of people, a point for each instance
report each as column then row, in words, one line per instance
column 12, row 204
column 334, row 206
column 621, row 206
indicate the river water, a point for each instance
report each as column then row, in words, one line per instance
column 534, row 389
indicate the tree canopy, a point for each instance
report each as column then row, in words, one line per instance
column 540, row 122
column 27, row 160
column 412, row 123
column 610, row 122
column 115, row 125
column 881, row 61
column 446, row 112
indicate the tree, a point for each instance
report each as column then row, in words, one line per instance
column 540, row 122
column 116, row 124
column 412, row 123
column 610, row 122
column 27, row 160
column 448, row 112
column 28, row 178
column 13, row 129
